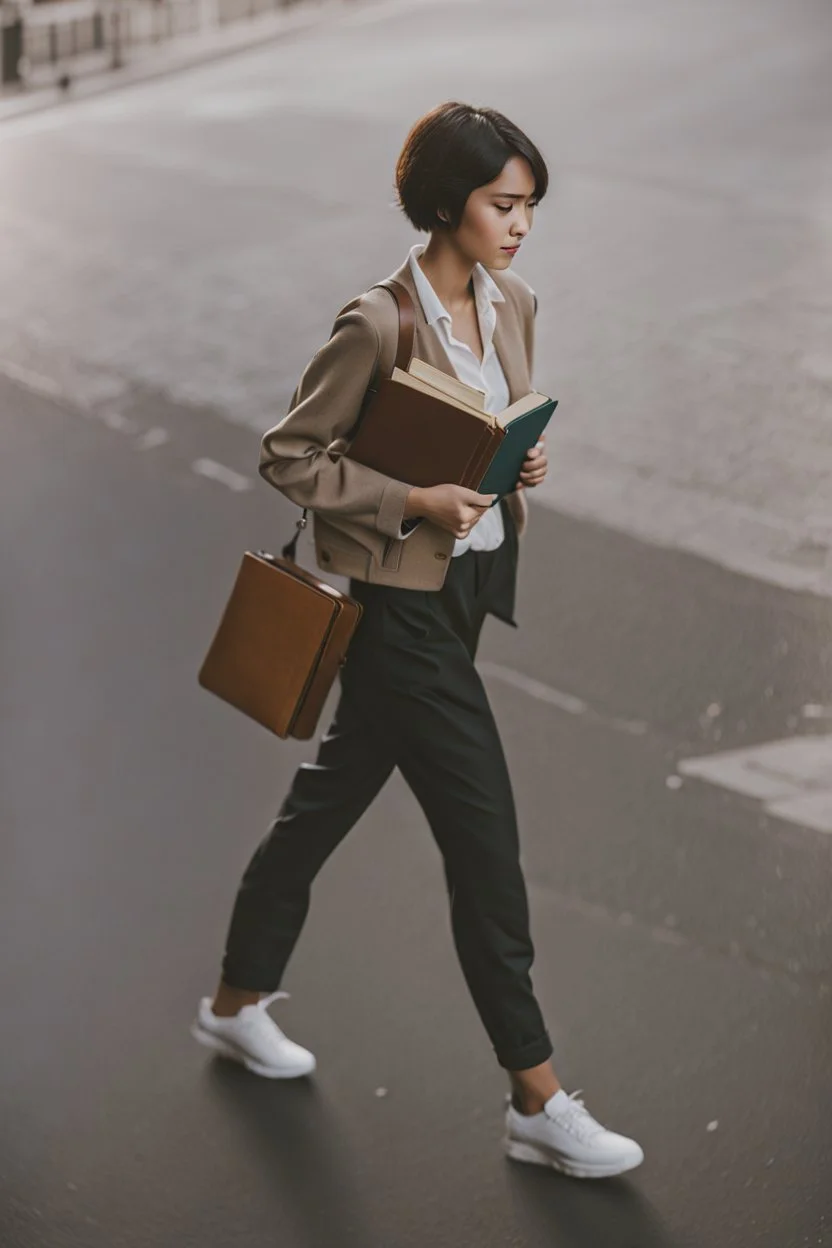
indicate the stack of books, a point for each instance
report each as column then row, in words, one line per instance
column 427, row 428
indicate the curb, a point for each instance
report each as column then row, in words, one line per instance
column 301, row 16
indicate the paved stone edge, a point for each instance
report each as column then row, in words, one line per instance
column 180, row 54
column 743, row 539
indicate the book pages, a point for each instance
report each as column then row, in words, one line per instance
column 527, row 404
column 447, row 384
column 415, row 383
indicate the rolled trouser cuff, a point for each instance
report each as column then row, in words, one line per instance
column 249, row 979
column 526, row 1056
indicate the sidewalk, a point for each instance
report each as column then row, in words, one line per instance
column 92, row 74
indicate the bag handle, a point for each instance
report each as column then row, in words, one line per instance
column 404, row 354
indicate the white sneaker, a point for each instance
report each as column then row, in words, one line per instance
column 253, row 1038
column 564, row 1135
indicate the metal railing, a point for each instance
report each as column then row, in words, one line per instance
column 58, row 34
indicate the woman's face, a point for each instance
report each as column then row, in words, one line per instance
column 498, row 216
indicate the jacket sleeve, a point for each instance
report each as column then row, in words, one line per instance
column 294, row 455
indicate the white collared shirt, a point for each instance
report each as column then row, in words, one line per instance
column 489, row 532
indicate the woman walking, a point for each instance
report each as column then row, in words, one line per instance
column 428, row 565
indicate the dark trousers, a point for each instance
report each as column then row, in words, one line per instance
column 412, row 698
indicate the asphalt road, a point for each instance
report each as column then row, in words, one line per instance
column 683, row 938
column 172, row 255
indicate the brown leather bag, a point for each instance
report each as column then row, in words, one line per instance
column 279, row 645
column 284, row 633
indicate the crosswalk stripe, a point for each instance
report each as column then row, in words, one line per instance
column 791, row 777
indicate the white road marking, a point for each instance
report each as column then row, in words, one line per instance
column 791, row 777
column 152, row 438
column 556, row 697
column 32, row 381
column 536, row 689
column 115, row 420
column 814, row 710
column 225, row 476
column 811, row 810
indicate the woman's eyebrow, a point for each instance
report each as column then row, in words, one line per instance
column 506, row 195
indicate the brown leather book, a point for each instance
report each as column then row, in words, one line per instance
column 424, row 439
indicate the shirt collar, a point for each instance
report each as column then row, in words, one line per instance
column 486, row 290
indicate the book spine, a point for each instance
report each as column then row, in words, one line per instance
column 484, row 453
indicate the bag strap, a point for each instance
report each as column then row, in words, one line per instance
column 404, row 354
column 407, row 320
column 290, row 550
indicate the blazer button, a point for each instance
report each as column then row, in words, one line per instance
column 325, row 556
column 439, row 555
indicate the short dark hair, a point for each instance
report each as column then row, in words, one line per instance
column 451, row 151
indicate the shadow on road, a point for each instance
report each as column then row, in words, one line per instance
column 296, row 1138
column 555, row 1210
column 292, row 1133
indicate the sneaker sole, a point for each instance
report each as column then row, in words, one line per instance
column 535, row 1156
column 225, row 1049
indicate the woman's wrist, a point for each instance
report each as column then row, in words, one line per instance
column 414, row 503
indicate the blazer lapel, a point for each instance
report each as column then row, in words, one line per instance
column 508, row 344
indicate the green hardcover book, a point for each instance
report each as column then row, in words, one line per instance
column 521, row 433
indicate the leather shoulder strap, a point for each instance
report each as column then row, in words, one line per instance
column 407, row 319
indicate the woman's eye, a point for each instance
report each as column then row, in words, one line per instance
column 504, row 207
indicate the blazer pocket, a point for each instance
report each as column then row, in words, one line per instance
column 391, row 555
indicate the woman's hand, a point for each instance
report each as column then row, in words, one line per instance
column 535, row 466
column 451, row 507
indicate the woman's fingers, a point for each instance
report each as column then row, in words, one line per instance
column 535, row 467
column 465, row 526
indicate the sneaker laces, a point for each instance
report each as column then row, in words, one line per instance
column 577, row 1119
column 265, row 1002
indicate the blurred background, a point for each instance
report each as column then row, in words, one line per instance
column 189, row 191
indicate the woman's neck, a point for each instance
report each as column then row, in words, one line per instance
column 449, row 273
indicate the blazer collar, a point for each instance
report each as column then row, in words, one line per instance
column 485, row 288
column 508, row 343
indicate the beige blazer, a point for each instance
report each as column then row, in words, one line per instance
column 358, row 512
